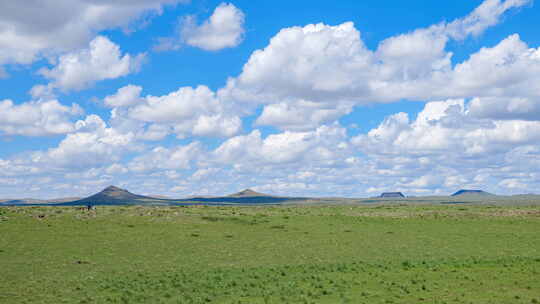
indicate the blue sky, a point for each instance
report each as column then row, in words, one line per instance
column 301, row 98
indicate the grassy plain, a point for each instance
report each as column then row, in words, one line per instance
column 272, row 254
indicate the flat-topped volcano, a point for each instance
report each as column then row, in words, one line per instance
column 471, row 192
column 248, row 193
column 392, row 195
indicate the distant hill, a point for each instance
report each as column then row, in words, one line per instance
column 114, row 196
column 249, row 193
column 472, row 192
column 246, row 196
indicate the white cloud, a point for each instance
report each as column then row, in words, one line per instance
column 303, row 82
column 446, row 148
column 484, row 16
column 50, row 27
column 424, row 182
column 513, row 183
column 217, row 125
column 37, row 118
column 176, row 106
column 93, row 144
column 16, row 168
column 513, row 108
column 161, row 158
column 125, row 96
column 123, row 123
column 224, row 29
column 446, row 127
column 311, row 63
column 204, row 173
column 116, row 168
column 301, row 115
column 400, row 155
column 40, row 91
column 187, row 111
column 81, row 69
column 508, row 69
column 323, row 144
column 331, row 65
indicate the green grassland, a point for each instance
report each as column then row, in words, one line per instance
column 387, row 253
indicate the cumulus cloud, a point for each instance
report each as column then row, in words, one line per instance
column 484, row 16
column 323, row 144
column 14, row 169
column 176, row 106
column 224, row 29
column 90, row 156
column 301, row 115
column 331, row 65
column 30, row 32
column 311, row 63
column 92, row 144
column 510, row 68
column 161, row 158
column 186, row 111
column 503, row 108
column 116, row 168
column 420, row 156
column 81, row 69
column 447, row 147
column 37, row 118
column 446, row 127
column 125, row 96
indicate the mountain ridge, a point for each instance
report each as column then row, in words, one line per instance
column 113, row 195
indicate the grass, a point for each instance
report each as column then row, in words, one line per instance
column 273, row 254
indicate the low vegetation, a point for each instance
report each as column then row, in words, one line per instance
column 272, row 254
